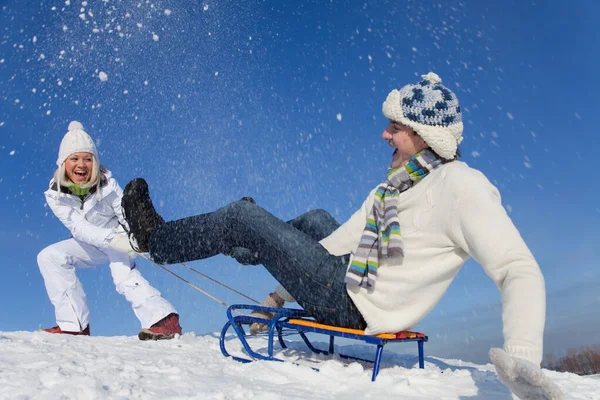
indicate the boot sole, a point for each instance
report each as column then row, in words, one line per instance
column 146, row 334
column 63, row 333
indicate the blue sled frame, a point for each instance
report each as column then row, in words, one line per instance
column 281, row 321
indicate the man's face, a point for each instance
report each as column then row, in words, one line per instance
column 404, row 140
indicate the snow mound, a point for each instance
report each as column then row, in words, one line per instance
column 40, row 365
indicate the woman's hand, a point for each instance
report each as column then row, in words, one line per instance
column 121, row 244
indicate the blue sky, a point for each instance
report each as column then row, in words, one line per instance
column 281, row 101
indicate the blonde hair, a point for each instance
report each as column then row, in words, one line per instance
column 96, row 176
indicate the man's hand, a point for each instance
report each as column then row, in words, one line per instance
column 525, row 379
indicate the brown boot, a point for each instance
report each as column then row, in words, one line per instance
column 273, row 300
column 166, row 328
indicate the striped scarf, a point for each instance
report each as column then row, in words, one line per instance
column 381, row 236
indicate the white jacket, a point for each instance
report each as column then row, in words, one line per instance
column 452, row 214
column 95, row 219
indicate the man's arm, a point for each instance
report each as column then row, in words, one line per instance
column 485, row 231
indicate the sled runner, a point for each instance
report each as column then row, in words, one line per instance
column 291, row 321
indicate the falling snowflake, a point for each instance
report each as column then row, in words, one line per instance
column 339, row 116
column 103, row 76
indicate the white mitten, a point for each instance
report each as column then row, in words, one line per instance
column 121, row 244
column 525, row 379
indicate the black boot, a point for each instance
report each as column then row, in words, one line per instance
column 140, row 214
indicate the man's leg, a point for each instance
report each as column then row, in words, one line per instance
column 313, row 277
column 317, row 224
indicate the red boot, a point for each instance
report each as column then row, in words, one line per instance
column 56, row 329
column 166, row 328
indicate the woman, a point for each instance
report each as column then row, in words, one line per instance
column 388, row 266
column 87, row 200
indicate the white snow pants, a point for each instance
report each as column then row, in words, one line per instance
column 57, row 264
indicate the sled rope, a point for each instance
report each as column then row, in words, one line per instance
column 188, row 282
column 219, row 283
column 196, row 287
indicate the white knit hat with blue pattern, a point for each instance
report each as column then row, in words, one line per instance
column 432, row 110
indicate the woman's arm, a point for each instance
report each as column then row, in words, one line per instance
column 116, row 202
column 80, row 228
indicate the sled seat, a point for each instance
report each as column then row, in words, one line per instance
column 288, row 321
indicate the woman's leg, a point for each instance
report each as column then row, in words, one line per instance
column 147, row 303
column 313, row 277
column 57, row 264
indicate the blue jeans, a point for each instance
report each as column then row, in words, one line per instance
column 296, row 259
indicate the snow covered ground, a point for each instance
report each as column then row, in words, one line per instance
column 42, row 366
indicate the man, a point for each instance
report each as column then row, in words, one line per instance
column 386, row 267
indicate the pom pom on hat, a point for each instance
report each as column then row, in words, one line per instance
column 76, row 140
column 75, row 125
column 432, row 110
column 432, row 77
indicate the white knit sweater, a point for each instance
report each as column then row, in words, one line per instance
column 450, row 215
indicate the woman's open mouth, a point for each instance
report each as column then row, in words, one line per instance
column 80, row 175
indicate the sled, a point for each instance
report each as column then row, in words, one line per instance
column 292, row 321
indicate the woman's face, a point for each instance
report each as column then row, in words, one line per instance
column 78, row 167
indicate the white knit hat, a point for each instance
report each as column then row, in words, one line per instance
column 432, row 110
column 76, row 140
